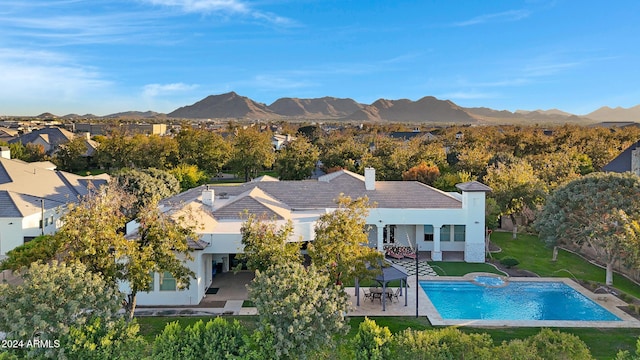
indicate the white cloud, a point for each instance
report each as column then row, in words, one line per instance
column 512, row 15
column 31, row 73
column 230, row 7
column 153, row 90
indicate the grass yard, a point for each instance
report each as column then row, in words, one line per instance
column 535, row 256
column 456, row 268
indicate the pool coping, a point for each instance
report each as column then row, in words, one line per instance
column 607, row 301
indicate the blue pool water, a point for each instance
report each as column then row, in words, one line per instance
column 466, row 300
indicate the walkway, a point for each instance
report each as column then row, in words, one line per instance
column 410, row 265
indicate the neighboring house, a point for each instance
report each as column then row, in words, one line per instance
column 628, row 160
column 278, row 141
column 408, row 135
column 616, row 124
column 33, row 198
column 104, row 129
column 405, row 213
column 7, row 134
column 51, row 138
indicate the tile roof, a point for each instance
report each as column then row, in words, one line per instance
column 474, row 186
column 277, row 199
column 54, row 136
column 256, row 202
column 25, row 185
column 7, row 205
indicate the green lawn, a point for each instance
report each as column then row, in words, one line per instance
column 535, row 256
column 456, row 268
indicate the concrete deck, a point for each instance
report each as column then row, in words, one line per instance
column 233, row 291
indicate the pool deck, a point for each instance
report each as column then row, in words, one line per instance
column 607, row 301
column 233, row 292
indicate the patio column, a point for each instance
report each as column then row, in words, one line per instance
column 436, row 254
column 379, row 231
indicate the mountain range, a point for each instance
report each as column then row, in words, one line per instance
column 425, row 110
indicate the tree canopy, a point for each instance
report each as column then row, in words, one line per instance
column 297, row 160
column 252, row 152
column 54, row 297
column 340, row 245
column 265, row 244
column 298, row 312
column 597, row 210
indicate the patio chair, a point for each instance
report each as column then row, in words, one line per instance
column 396, row 294
column 367, row 294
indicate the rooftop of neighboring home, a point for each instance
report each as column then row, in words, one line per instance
column 54, row 137
column 622, row 162
column 23, row 186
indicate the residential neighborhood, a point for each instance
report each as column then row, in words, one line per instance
column 311, row 180
column 436, row 224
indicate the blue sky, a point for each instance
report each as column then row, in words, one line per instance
column 102, row 57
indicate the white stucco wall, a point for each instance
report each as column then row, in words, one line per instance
column 191, row 296
column 10, row 234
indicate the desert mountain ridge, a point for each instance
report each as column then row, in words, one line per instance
column 425, row 110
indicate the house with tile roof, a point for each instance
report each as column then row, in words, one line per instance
column 52, row 138
column 404, row 214
column 33, row 198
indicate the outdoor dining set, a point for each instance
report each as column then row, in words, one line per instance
column 377, row 293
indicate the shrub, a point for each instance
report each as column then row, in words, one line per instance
column 509, row 262
column 215, row 339
column 371, row 341
column 441, row 344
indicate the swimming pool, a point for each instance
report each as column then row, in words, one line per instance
column 522, row 300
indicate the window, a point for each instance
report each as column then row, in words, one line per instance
column 153, row 280
column 459, row 232
column 391, row 230
column 428, row 233
column 445, row 233
column 26, row 239
column 167, row 282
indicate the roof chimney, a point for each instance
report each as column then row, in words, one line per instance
column 369, row 178
column 5, row 152
column 208, row 195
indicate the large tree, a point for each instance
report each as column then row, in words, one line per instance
column 297, row 159
column 252, row 152
column 92, row 234
column 115, row 151
column 92, row 231
column 597, row 210
column 515, row 188
column 265, row 243
column 154, row 151
column 340, row 247
column 161, row 245
column 203, row 148
column 72, row 155
column 52, row 298
column 148, row 186
column 298, row 312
